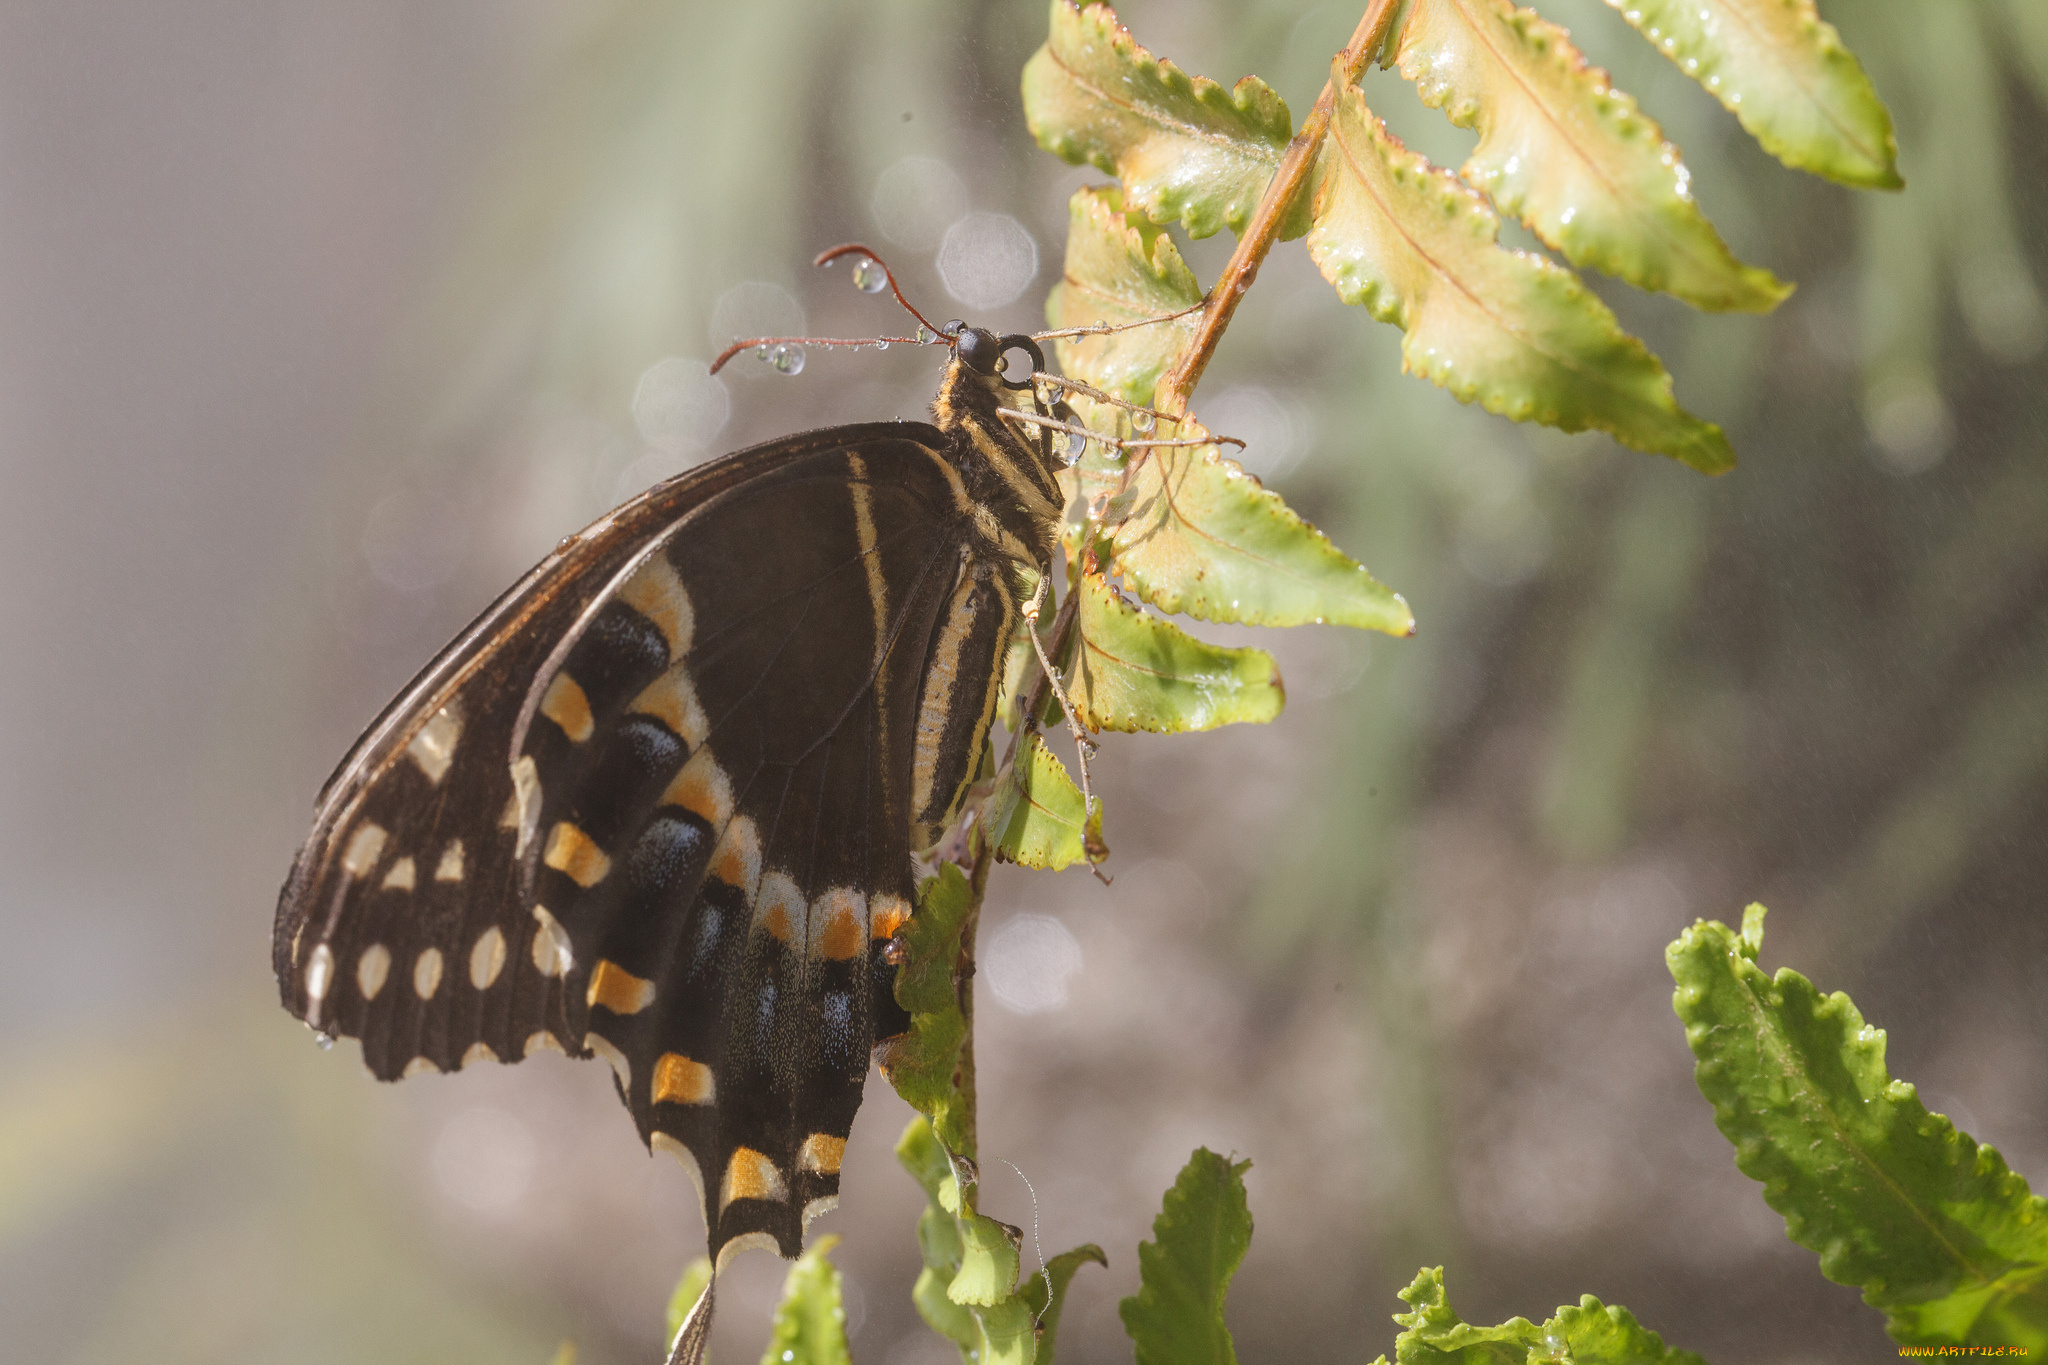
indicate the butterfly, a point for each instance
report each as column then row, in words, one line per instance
column 659, row 802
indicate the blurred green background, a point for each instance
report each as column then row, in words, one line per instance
column 320, row 323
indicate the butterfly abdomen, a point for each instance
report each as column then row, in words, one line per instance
column 958, row 702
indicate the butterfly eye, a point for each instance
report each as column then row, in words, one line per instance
column 979, row 351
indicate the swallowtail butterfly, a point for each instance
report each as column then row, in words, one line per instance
column 659, row 802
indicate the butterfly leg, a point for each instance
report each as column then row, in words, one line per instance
column 1084, row 747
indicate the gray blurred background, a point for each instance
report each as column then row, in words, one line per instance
column 319, row 323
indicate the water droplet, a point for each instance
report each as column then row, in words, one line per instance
column 954, row 327
column 324, row 1041
column 1142, row 423
column 786, row 359
column 925, row 335
column 881, row 345
column 868, row 275
column 1076, row 446
column 761, row 351
column 791, row 1355
column 1045, row 394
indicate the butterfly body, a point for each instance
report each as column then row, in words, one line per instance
column 659, row 802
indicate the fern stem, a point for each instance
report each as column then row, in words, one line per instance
column 963, row 979
column 983, row 846
column 1264, row 229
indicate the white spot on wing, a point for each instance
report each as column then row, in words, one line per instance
column 433, row 748
column 747, row 1241
column 526, row 796
column 371, row 970
column 420, row 1066
column 401, row 876
column 319, row 973
column 426, row 973
column 540, row 1040
column 450, row 868
column 365, row 846
column 552, row 954
column 602, row 1046
column 479, row 1052
column 487, row 958
column 663, row 1142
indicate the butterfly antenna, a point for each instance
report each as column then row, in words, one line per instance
column 764, row 344
column 868, row 258
column 855, row 248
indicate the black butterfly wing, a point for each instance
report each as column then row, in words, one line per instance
column 658, row 803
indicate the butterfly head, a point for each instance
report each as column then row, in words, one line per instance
column 983, row 352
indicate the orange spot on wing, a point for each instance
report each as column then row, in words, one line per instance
column 779, row 908
column 678, row 1080
column 570, row 851
column 839, row 936
column 658, row 594
column 750, row 1175
column 822, row 1154
column 887, row 914
column 703, row 789
column 737, row 860
column 566, row 706
column 618, row 990
column 673, row 700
